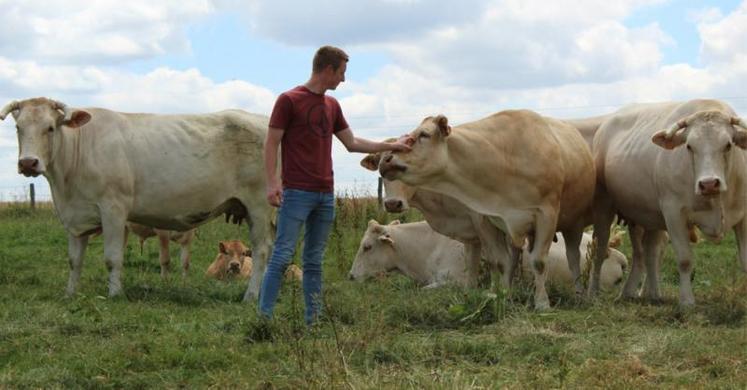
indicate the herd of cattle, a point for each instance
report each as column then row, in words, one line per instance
column 501, row 187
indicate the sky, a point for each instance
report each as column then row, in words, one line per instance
column 408, row 59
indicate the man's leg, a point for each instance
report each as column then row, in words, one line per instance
column 293, row 212
column 318, row 226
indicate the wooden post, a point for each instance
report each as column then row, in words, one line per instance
column 32, row 195
column 380, row 192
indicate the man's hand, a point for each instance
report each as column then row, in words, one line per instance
column 403, row 144
column 274, row 195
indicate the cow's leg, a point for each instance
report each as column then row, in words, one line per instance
column 260, row 234
column 543, row 235
column 604, row 214
column 679, row 235
column 472, row 251
column 113, row 224
column 185, row 255
column 572, row 239
column 652, row 241
column 630, row 289
column 496, row 248
column 164, row 257
column 76, row 249
column 740, row 231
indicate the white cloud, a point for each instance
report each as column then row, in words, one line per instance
column 724, row 38
column 96, row 32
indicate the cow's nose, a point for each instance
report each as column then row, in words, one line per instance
column 28, row 164
column 393, row 205
column 710, row 186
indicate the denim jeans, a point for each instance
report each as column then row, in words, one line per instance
column 315, row 211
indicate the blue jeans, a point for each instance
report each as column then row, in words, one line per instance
column 315, row 210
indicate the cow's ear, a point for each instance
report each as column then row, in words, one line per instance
column 222, row 247
column 395, row 222
column 77, row 119
column 371, row 161
column 443, row 125
column 666, row 142
column 386, row 238
column 740, row 135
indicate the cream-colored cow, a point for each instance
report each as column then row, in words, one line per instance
column 532, row 175
column 666, row 167
column 172, row 172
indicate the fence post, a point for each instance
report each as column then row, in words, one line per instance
column 32, row 195
column 380, row 192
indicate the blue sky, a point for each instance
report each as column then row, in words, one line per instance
column 409, row 59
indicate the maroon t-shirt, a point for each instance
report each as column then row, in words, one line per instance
column 309, row 120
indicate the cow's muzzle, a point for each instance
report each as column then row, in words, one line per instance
column 29, row 166
column 234, row 268
column 394, row 205
column 710, row 186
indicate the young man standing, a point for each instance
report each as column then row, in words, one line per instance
column 303, row 122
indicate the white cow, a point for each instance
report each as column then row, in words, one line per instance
column 184, row 239
column 666, row 167
column 532, row 175
column 415, row 250
column 453, row 219
column 170, row 172
column 432, row 259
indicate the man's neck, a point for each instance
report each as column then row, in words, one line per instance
column 316, row 86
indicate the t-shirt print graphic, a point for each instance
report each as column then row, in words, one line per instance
column 318, row 121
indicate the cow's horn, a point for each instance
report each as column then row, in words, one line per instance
column 12, row 106
column 62, row 106
column 737, row 121
column 681, row 124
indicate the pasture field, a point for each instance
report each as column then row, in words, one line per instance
column 196, row 333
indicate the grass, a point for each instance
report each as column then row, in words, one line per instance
column 196, row 333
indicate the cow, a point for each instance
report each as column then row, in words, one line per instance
column 532, row 175
column 171, row 172
column 668, row 167
column 431, row 259
column 415, row 250
column 453, row 219
column 234, row 261
column 184, row 239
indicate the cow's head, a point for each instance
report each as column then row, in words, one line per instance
column 38, row 122
column 234, row 253
column 376, row 254
column 428, row 156
column 710, row 138
column 398, row 194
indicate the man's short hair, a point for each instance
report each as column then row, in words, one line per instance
column 329, row 55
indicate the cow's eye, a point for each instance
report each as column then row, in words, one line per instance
column 50, row 129
column 366, row 247
column 689, row 148
column 728, row 147
column 424, row 135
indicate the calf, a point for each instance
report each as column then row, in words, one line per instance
column 184, row 239
column 234, row 261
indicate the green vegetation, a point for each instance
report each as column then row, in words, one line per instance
column 196, row 333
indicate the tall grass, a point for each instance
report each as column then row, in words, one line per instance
column 196, row 333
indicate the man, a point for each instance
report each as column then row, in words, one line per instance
column 303, row 121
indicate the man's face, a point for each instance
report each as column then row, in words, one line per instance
column 337, row 76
